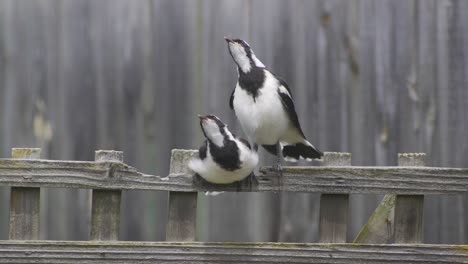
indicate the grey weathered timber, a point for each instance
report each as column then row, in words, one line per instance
column 409, row 209
column 333, row 223
column 24, row 202
column 181, row 222
column 197, row 252
column 380, row 227
column 116, row 175
column 409, row 218
column 368, row 77
column 105, row 210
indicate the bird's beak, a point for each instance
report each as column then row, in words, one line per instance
column 201, row 117
column 228, row 40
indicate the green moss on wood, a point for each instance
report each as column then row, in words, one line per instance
column 378, row 221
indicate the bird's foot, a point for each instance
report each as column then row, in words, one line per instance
column 252, row 180
column 278, row 167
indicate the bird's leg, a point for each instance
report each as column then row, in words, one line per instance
column 252, row 181
column 279, row 158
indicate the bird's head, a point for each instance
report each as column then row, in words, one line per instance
column 213, row 129
column 243, row 55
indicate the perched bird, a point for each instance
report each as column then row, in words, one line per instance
column 223, row 158
column 265, row 109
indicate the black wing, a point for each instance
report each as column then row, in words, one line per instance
column 282, row 82
column 288, row 104
column 202, row 151
column 245, row 142
column 231, row 100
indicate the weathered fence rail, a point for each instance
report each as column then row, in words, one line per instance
column 108, row 175
column 198, row 252
column 113, row 175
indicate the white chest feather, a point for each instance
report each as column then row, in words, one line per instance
column 212, row 172
column 263, row 118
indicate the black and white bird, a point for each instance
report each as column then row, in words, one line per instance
column 223, row 157
column 265, row 109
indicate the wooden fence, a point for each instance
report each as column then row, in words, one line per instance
column 107, row 176
column 370, row 77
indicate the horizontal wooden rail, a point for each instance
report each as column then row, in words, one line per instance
column 197, row 252
column 117, row 175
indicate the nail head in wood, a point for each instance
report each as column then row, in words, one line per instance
column 24, row 203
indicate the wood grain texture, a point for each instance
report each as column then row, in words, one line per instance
column 24, row 202
column 105, row 208
column 197, row 252
column 181, row 223
column 24, row 213
column 333, row 224
column 355, row 179
column 105, row 215
column 409, row 209
column 379, row 229
column 111, row 74
column 182, row 219
column 409, row 218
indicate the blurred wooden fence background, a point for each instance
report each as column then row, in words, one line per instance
column 369, row 77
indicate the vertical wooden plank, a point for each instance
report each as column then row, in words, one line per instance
column 381, row 225
column 452, row 75
column 216, row 78
column 53, row 133
column 362, row 104
column 4, row 191
column 21, row 79
column 445, row 140
column 72, row 104
column 24, row 203
column 461, row 236
column 181, row 223
column 417, row 63
column 409, row 208
column 379, row 228
column 105, row 212
column 333, row 223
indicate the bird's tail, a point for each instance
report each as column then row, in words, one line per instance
column 303, row 150
column 270, row 148
column 294, row 152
